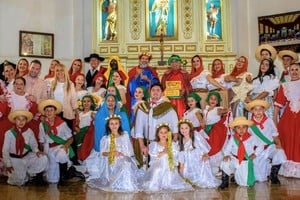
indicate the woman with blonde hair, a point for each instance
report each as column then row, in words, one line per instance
column 63, row 90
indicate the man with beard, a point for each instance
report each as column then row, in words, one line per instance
column 141, row 75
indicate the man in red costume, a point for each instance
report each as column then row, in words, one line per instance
column 176, row 83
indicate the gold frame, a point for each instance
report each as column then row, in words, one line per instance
column 36, row 44
column 148, row 30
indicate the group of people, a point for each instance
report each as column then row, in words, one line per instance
column 136, row 131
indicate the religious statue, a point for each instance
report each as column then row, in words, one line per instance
column 212, row 19
column 161, row 9
column 111, row 20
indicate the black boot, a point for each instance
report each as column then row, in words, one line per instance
column 63, row 168
column 38, row 180
column 225, row 181
column 72, row 172
column 274, row 174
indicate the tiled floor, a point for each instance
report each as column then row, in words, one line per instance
column 289, row 189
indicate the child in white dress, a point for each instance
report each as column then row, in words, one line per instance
column 193, row 157
column 216, row 129
column 194, row 112
column 118, row 170
column 162, row 175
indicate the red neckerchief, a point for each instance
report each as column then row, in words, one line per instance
column 57, row 121
column 241, row 148
column 20, row 141
column 262, row 121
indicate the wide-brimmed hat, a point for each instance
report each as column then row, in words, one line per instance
column 93, row 55
column 257, row 102
column 240, row 121
column 12, row 115
column 49, row 102
column 289, row 53
column 268, row 47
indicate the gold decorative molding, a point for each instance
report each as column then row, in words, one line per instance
column 188, row 20
column 103, row 49
column 220, row 48
column 144, row 48
column 190, row 47
column 209, row 48
column 114, row 49
column 178, row 48
column 132, row 49
column 135, row 15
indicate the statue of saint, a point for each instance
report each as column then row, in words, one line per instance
column 111, row 20
column 161, row 9
column 212, row 18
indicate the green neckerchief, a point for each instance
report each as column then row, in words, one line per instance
column 26, row 146
column 208, row 128
column 259, row 134
column 79, row 136
column 57, row 139
column 251, row 177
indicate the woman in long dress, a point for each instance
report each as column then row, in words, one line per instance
column 289, row 123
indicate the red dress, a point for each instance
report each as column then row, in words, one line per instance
column 289, row 126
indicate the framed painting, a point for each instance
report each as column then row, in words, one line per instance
column 36, row 44
column 161, row 19
column 282, row 31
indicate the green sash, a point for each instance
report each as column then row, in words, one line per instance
column 26, row 146
column 57, row 139
column 261, row 136
column 208, row 128
column 251, row 177
column 79, row 136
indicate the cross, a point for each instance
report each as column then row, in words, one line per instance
column 161, row 40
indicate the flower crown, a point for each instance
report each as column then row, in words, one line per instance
column 185, row 121
column 162, row 124
column 114, row 116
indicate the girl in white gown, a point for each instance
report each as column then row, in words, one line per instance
column 193, row 157
column 163, row 176
column 118, row 170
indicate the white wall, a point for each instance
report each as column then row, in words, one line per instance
column 61, row 17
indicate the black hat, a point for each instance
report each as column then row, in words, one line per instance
column 93, row 55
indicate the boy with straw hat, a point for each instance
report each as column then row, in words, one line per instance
column 266, row 132
column 55, row 138
column 239, row 154
column 20, row 151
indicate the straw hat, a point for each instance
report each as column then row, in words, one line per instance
column 50, row 102
column 240, row 121
column 289, row 53
column 257, row 102
column 269, row 48
column 12, row 115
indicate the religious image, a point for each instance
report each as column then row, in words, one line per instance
column 109, row 19
column 161, row 17
column 214, row 22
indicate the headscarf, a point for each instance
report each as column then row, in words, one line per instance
column 195, row 72
column 236, row 72
column 219, row 73
column 215, row 93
